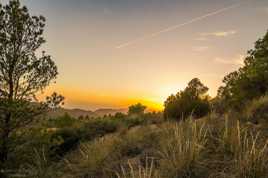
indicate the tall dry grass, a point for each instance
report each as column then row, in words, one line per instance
column 93, row 159
column 147, row 171
column 250, row 153
column 212, row 147
column 181, row 147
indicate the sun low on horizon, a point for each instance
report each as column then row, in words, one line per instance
column 111, row 54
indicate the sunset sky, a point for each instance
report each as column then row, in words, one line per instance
column 113, row 53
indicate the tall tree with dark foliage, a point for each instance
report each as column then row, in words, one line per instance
column 250, row 81
column 191, row 101
column 23, row 73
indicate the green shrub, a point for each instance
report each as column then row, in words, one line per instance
column 137, row 109
column 62, row 121
column 98, row 128
column 120, row 115
column 68, row 139
column 135, row 121
column 258, row 110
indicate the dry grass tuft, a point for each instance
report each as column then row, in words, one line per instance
column 181, row 147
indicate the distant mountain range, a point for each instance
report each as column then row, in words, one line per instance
column 80, row 112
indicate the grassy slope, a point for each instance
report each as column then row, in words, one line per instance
column 211, row 147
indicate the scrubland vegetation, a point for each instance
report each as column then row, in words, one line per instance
column 144, row 146
column 196, row 136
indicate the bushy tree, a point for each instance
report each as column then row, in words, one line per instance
column 192, row 101
column 119, row 115
column 136, row 109
column 23, row 73
column 250, row 81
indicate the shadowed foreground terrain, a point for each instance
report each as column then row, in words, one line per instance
column 145, row 146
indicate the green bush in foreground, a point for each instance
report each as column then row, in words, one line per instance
column 257, row 110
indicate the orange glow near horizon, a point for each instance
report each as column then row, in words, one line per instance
column 112, row 54
column 77, row 98
column 100, row 99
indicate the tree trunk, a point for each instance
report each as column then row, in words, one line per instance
column 5, row 136
column 6, row 128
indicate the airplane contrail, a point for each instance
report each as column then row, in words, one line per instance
column 175, row 27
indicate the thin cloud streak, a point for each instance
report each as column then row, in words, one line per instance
column 238, row 60
column 220, row 33
column 200, row 48
column 201, row 39
column 175, row 27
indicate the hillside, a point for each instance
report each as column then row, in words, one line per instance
column 80, row 112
